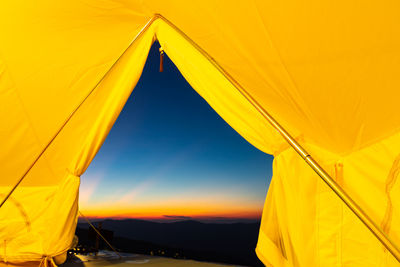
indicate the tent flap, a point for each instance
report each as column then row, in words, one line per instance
column 328, row 73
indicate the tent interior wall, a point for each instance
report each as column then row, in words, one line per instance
column 327, row 72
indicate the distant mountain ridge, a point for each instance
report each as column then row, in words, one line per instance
column 230, row 242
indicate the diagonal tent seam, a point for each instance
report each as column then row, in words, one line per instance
column 14, row 88
column 371, row 225
column 29, row 119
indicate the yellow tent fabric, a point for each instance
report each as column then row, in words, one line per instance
column 329, row 72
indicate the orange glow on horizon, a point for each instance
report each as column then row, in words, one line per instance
column 170, row 213
column 185, row 205
column 167, row 210
column 172, row 217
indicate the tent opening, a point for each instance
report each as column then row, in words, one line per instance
column 171, row 160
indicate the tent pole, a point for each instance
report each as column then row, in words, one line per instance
column 339, row 191
column 354, row 207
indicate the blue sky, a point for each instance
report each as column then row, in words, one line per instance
column 169, row 148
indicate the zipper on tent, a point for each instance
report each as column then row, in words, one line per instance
column 390, row 183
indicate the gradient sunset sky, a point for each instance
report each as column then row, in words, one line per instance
column 170, row 156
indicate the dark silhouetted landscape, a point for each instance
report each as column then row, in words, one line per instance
column 232, row 243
